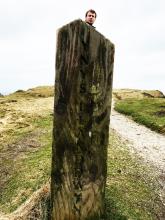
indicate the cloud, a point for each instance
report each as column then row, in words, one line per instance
column 28, row 32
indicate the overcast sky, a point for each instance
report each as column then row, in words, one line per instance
column 28, row 39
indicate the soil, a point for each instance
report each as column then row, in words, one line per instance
column 160, row 113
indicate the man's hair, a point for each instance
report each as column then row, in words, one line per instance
column 92, row 11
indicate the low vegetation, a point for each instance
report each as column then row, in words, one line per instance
column 132, row 191
column 39, row 91
column 25, row 147
column 31, row 169
column 121, row 94
column 147, row 111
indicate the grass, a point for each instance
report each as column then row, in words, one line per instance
column 131, row 191
column 148, row 111
column 30, row 176
column 31, row 171
column 39, row 91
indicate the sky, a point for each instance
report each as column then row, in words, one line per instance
column 28, row 40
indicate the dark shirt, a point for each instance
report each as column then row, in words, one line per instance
column 90, row 25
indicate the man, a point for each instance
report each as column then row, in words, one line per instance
column 90, row 17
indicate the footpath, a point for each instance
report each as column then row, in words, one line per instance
column 147, row 144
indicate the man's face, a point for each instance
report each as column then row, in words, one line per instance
column 90, row 18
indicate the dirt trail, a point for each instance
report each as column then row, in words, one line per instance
column 147, row 144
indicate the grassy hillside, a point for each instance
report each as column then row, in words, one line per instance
column 25, row 145
column 25, row 149
column 148, row 110
column 39, row 91
column 121, row 94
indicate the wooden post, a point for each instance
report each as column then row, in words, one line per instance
column 83, row 90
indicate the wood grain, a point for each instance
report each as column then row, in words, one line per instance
column 83, row 90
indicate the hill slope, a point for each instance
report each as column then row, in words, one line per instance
column 25, row 145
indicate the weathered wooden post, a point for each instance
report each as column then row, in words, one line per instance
column 83, row 89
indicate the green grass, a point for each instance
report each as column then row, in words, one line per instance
column 149, row 111
column 30, row 172
column 131, row 191
column 33, row 172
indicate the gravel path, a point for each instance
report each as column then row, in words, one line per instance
column 146, row 143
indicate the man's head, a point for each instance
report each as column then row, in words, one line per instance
column 90, row 17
